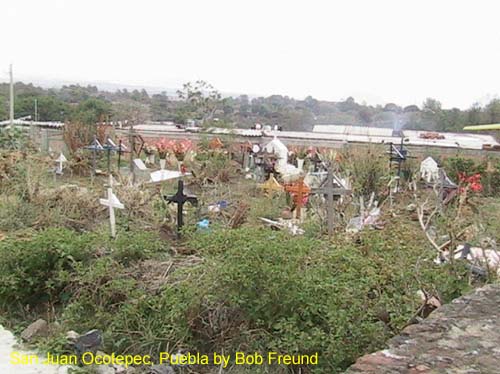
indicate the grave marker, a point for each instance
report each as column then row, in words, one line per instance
column 397, row 156
column 299, row 191
column 180, row 198
column 331, row 187
column 165, row 175
column 139, row 164
column 112, row 202
column 271, row 185
column 60, row 160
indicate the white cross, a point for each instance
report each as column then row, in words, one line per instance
column 112, row 202
column 60, row 160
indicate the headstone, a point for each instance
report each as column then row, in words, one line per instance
column 164, row 175
column 112, row 202
column 139, row 164
column 277, row 147
column 429, row 170
column 180, row 198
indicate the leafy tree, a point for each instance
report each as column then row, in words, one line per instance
column 431, row 106
column 160, row 107
column 52, row 109
column 493, row 111
column 474, row 114
column 3, row 108
column 92, row 110
column 131, row 111
column 202, row 99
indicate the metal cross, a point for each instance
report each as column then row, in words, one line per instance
column 300, row 190
column 180, row 198
column 330, row 188
column 398, row 156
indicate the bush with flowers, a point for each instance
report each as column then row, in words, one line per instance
column 470, row 183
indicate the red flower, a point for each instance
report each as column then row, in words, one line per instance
column 472, row 182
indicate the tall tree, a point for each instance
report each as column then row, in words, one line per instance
column 202, row 99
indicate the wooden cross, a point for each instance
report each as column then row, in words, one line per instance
column 330, row 188
column 112, row 202
column 216, row 143
column 136, row 143
column 180, row 198
column 299, row 190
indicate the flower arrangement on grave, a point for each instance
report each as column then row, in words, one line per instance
column 181, row 147
column 164, row 147
column 301, row 153
column 311, row 152
column 467, row 183
column 470, row 183
column 150, row 149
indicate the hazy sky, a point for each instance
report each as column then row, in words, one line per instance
column 378, row 51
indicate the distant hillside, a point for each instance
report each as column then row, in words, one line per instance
column 200, row 101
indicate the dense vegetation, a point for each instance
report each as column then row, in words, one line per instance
column 226, row 289
column 200, row 101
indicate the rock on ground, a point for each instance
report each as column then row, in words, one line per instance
column 38, row 328
column 8, row 345
column 460, row 337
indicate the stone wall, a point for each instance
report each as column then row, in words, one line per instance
column 460, row 337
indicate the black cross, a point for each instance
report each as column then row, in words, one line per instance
column 398, row 156
column 331, row 187
column 180, row 198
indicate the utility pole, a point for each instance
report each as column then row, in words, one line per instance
column 36, row 110
column 11, row 97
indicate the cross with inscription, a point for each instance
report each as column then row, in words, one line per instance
column 331, row 187
column 180, row 198
column 299, row 190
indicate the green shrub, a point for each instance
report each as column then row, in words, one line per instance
column 266, row 290
column 130, row 246
column 45, row 266
column 457, row 165
column 13, row 138
column 28, row 267
column 368, row 169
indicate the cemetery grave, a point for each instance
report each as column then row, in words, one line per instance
column 167, row 244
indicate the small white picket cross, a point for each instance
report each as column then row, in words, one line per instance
column 60, row 160
column 112, row 202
